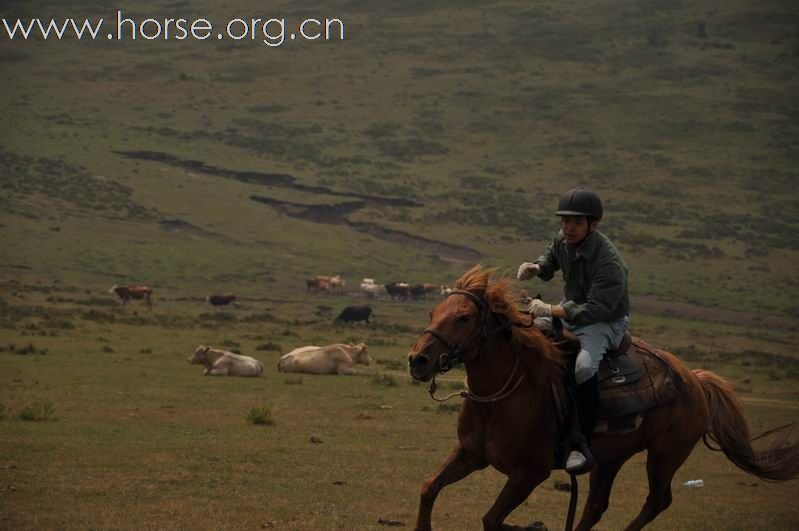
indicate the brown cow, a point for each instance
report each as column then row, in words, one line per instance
column 318, row 284
column 222, row 300
column 132, row 292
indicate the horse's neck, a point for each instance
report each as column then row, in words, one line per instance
column 493, row 368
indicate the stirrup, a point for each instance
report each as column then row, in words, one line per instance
column 579, row 462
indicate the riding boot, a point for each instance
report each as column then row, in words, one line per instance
column 581, row 460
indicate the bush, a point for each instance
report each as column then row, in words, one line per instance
column 384, row 379
column 260, row 416
column 38, row 411
column 269, row 346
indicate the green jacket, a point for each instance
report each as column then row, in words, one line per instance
column 595, row 275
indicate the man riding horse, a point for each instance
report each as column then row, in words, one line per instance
column 595, row 306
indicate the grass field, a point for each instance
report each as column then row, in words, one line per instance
column 436, row 134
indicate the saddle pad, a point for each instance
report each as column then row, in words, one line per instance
column 654, row 388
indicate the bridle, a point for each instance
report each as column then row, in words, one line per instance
column 456, row 351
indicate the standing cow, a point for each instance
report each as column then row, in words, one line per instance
column 222, row 300
column 132, row 292
column 370, row 288
column 399, row 290
column 354, row 314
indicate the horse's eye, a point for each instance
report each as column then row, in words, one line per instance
column 464, row 319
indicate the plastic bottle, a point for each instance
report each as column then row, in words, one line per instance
column 695, row 483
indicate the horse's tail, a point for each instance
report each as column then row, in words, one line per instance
column 728, row 429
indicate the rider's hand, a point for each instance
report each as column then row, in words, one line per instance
column 539, row 308
column 528, row 270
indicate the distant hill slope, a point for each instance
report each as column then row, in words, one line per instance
column 436, row 134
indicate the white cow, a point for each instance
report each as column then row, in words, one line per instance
column 223, row 363
column 332, row 359
column 370, row 288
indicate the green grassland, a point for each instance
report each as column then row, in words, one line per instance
column 138, row 438
column 435, row 135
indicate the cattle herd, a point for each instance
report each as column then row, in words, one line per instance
column 369, row 288
column 331, row 359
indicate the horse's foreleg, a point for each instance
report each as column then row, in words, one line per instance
column 602, row 477
column 518, row 487
column 457, row 466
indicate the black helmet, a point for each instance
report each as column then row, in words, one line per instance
column 580, row 202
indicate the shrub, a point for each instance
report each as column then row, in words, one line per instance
column 38, row 411
column 269, row 346
column 260, row 416
column 384, row 379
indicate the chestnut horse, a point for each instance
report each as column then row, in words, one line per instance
column 508, row 420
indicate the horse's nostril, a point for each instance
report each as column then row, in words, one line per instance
column 416, row 361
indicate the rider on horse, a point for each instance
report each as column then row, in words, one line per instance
column 595, row 306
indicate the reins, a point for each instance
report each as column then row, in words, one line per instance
column 455, row 356
column 456, row 352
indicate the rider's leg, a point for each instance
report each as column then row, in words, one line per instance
column 595, row 340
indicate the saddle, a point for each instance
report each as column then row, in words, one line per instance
column 633, row 379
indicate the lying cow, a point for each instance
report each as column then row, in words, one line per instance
column 222, row 300
column 132, row 292
column 332, row 359
column 223, row 363
column 354, row 314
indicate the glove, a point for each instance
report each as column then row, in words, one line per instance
column 528, row 270
column 539, row 308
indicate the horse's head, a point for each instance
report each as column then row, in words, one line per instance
column 456, row 331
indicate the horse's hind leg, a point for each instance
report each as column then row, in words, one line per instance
column 602, row 477
column 457, row 466
column 663, row 459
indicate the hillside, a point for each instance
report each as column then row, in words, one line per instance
column 434, row 135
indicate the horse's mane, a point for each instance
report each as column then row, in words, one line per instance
column 541, row 356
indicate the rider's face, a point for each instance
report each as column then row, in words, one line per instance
column 575, row 228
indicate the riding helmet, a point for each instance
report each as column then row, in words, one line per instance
column 580, row 202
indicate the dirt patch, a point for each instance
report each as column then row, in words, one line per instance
column 280, row 180
column 336, row 214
